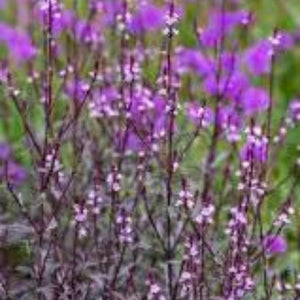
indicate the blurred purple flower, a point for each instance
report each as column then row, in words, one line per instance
column 6, row 32
column 3, row 4
column 286, row 40
column 229, row 86
column 258, row 57
column 158, row 116
column 193, row 60
column 212, row 87
column 220, row 24
column 62, row 20
column 252, row 151
column 229, row 62
column 86, row 32
column 103, row 102
column 148, row 17
column 5, row 151
column 209, row 36
column 18, row 43
column 228, row 117
column 254, row 100
column 110, row 10
column 255, row 149
column 198, row 114
column 274, row 244
column 16, row 175
column 234, row 85
column 150, row 120
column 65, row 20
column 77, row 90
column 230, row 122
column 294, row 110
column 135, row 142
column 21, row 48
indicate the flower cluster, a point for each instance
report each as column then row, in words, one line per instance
column 124, row 224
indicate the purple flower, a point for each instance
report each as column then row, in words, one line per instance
column 65, row 20
column 254, row 100
column 149, row 116
column 62, row 20
column 258, row 58
column 4, row 151
column 230, row 122
column 209, row 36
column 14, row 173
column 134, row 142
column 198, row 114
column 212, row 87
column 158, row 116
column 103, row 102
column 229, row 62
column 274, row 244
column 2, row 4
column 286, row 40
column 221, row 24
column 294, row 110
column 193, row 60
column 233, row 85
column 229, row 86
column 18, row 43
column 86, row 32
column 110, row 10
column 21, row 48
column 228, row 117
column 77, row 90
column 6, row 32
column 147, row 18
column 254, row 149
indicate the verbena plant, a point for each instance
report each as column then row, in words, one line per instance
column 140, row 162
